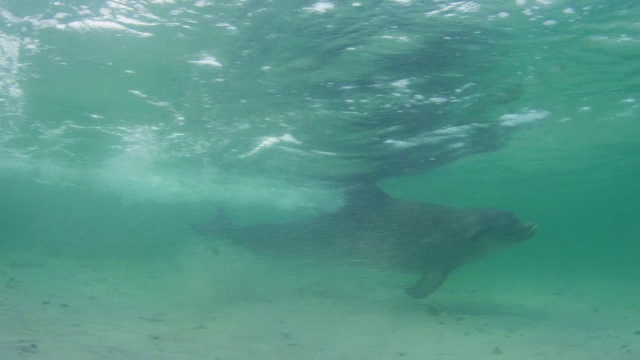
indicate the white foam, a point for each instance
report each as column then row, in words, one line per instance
column 130, row 21
column 290, row 139
column 522, row 118
column 207, row 60
column 401, row 84
column 401, row 38
column 453, row 135
column 9, row 17
column 320, row 7
column 92, row 24
column 399, row 143
column 438, row 100
column 203, row 3
column 270, row 141
column 138, row 93
column 10, row 89
column 86, row 25
column 455, row 7
column 227, row 26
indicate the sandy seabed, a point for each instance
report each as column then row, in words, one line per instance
column 233, row 305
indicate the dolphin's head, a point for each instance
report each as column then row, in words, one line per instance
column 495, row 228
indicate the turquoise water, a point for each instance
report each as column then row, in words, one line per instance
column 121, row 122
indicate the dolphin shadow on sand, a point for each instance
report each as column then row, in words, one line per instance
column 374, row 229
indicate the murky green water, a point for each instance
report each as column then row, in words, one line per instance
column 121, row 122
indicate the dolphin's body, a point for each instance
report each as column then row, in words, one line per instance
column 377, row 230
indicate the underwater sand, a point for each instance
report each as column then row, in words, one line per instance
column 233, row 305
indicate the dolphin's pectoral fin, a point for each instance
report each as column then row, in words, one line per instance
column 428, row 283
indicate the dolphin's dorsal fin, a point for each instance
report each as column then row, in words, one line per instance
column 366, row 194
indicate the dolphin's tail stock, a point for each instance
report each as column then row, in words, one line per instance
column 219, row 226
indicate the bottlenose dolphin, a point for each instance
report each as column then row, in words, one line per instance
column 375, row 229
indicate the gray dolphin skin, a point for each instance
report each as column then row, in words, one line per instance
column 374, row 229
